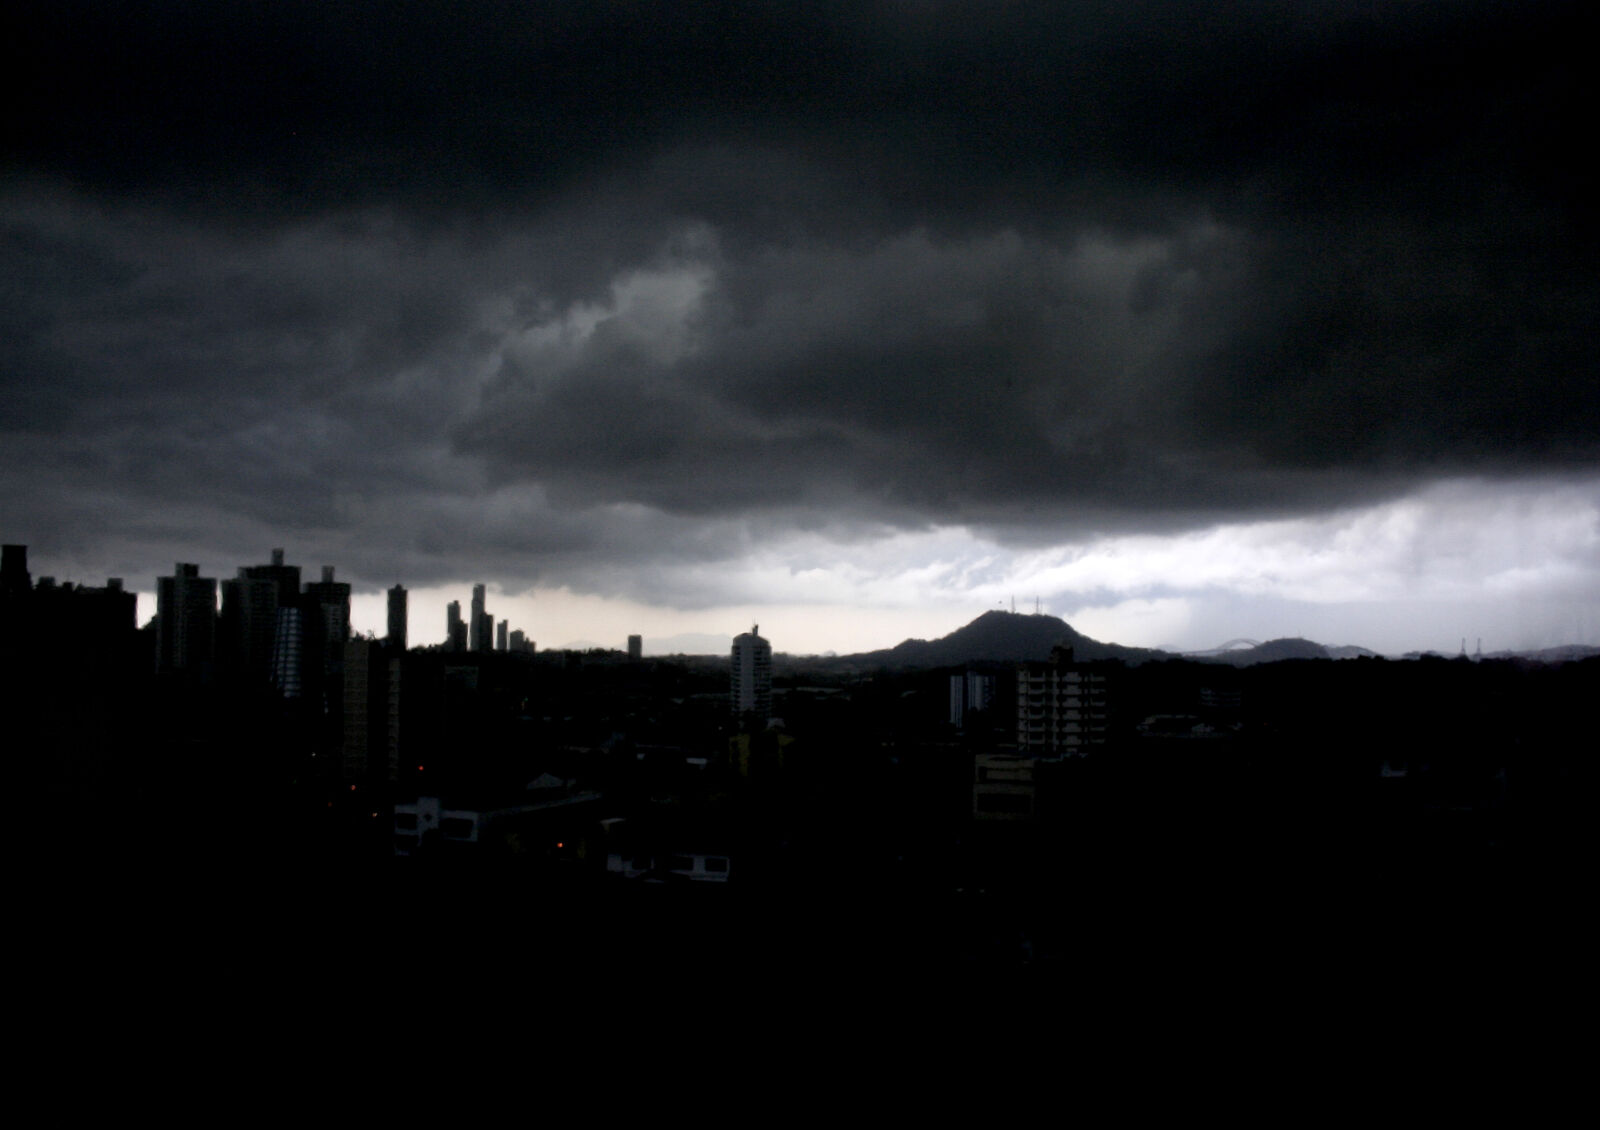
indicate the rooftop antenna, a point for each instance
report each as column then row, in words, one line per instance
column 1036, row 606
column 1013, row 604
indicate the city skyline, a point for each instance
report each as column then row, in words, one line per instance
column 373, row 615
column 1187, row 322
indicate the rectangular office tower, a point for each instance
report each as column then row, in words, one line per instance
column 397, row 619
column 455, row 628
column 186, row 620
column 370, row 742
column 481, row 626
column 248, row 627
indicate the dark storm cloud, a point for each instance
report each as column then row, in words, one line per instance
column 501, row 275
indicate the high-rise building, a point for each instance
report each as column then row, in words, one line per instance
column 369, row 750
column 329, row 601
column 247, row 630
column 186, row 620
column 455, row 628
column 752, row 676
column 288, row 652
column 16, row 601
column 500, row 635
column 481, row 624
column 15, row 580
column 396, row 638
column 1061, row 706
column 243, row 630
column 635, row 647
column 325, row 608
column 285, row 578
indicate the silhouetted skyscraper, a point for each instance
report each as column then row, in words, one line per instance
column 253, row 604
column 248, row 627
column 752, row 675
column 186, row 620
column 500, row 635
column 15, row 581
column 330, row 600
column 16, row 600
column 285, row 578
column 397, row 619
column 635, row 647
column 369, row 749
column 455, row 628
column 326, row 610
column 481, row 624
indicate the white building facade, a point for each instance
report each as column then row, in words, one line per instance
column 751, row 690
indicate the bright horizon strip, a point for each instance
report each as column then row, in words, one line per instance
column 1517, row 564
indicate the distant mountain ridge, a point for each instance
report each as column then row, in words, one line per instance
column 1003, row 637
column 1271, row 652
column 1015, row 637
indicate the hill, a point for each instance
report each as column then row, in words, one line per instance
column 1271, row 652
column 1001, row 637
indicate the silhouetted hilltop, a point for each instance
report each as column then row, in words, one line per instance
column 1002, row 637
column 1272, row 651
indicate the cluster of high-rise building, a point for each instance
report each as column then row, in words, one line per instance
column 263, row 627
column 273, row 628
column 482, row 633
column 270, row 628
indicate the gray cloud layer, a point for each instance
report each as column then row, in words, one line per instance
column 547, row 288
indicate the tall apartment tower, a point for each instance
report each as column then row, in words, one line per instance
column 396, row 638
column 369, row 748
column 500, row 634
column 283, row 654
column 328, row 600
column 752, row 676
column 186, row 620
column 635, row 648
column 288, row 648
column 478, row 641
column 285, row 578
column 1061, row 706
column 248, row 626
column 455, row 628
column 325, row 608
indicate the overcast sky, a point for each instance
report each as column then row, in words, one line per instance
column 1188, row 320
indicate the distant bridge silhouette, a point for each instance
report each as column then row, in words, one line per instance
column 1240, row 644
